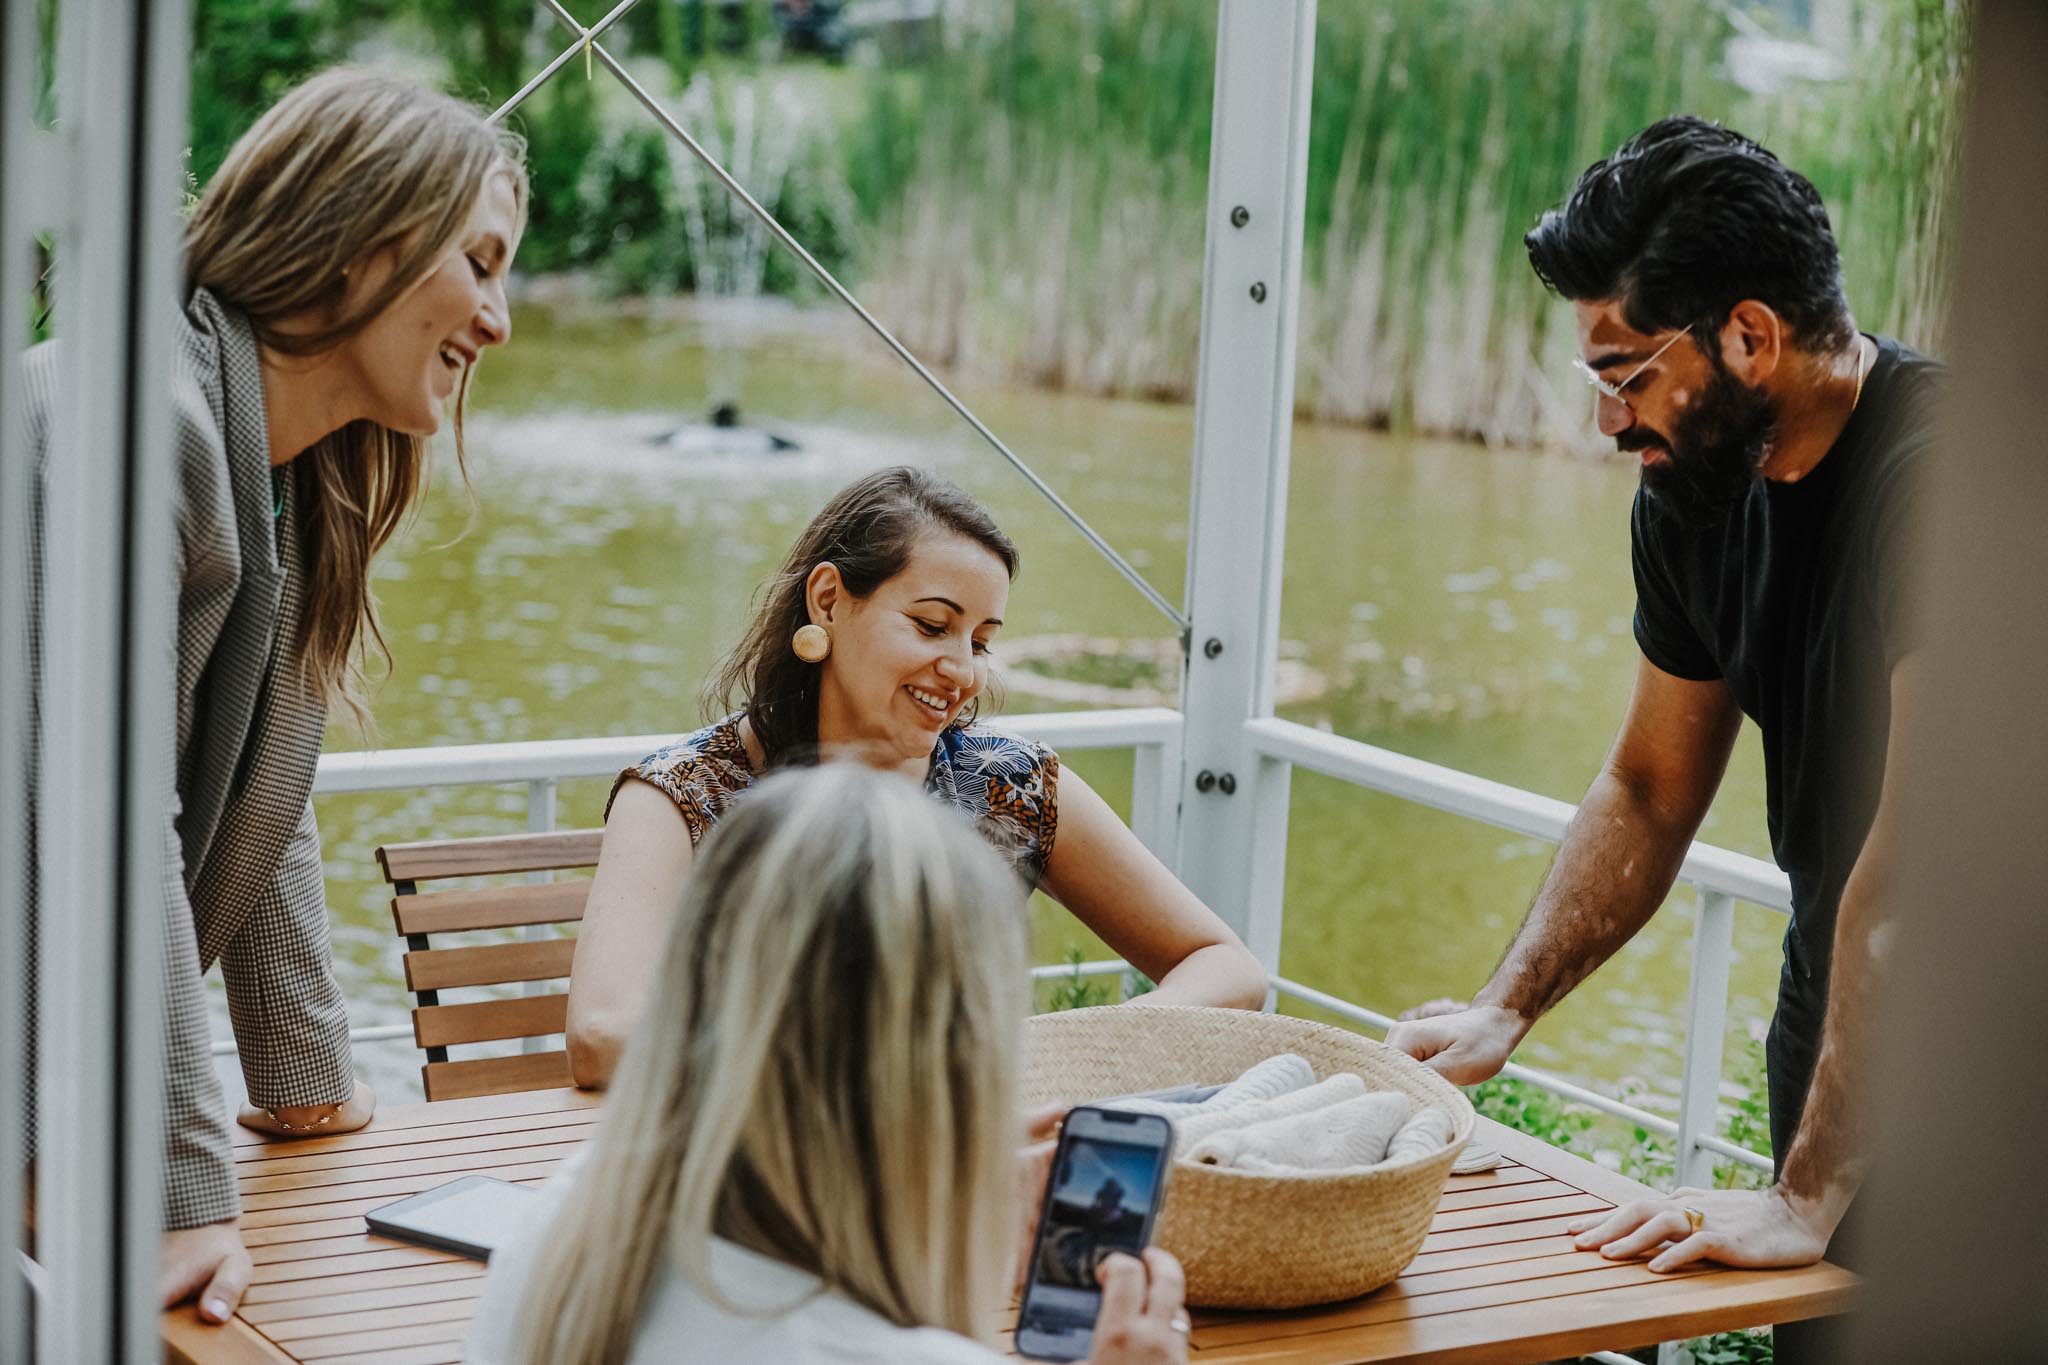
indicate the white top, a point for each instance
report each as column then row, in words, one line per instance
column 787, row 1317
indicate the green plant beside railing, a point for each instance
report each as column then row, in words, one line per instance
column 1626, row 1147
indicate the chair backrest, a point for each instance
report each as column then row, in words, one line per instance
column 430, row 970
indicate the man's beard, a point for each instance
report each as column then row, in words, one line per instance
column 1715, row 451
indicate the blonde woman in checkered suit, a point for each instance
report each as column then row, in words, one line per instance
column 344, row 271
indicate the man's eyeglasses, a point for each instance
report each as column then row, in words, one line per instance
column 1614, row 391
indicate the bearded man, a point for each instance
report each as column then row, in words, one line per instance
column 1779, row 448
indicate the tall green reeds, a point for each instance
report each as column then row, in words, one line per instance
column 1039, row 191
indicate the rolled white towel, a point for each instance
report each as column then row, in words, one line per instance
column 1427, row 1132
column 1347, row 1135
column 1276, row 1076
column 1193, row 1127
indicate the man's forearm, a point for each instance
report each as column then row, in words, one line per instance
column 1613, row 869
column 1825, row 1164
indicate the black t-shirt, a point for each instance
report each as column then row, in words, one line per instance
column 1798, row 599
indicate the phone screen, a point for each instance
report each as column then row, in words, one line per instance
column 1107, row 1180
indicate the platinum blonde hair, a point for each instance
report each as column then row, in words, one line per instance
column 826, row 1073
column 349, row 164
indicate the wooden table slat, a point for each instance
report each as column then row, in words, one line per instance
column 1505, row 1174
column 357, row 1343
column 440, row 1163
column 366, row 1281
column 289, row 1332
column 402, row 1116
column 390, row 1189
column 391, row 1256
column 1527, row 1211
column 1498, row 1195
column 1497, row 1234
column 251, row 1158
column 283, row 1233
column 436, row 1353
column 1562, row 1260
column 440, row 1291
column 295, row 1164
column 1493, row 1253
column 288, row 1218
column 346, row 1244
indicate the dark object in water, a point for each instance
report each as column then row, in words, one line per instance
column 723, row 435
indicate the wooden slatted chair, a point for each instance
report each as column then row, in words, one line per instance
column 429, row 970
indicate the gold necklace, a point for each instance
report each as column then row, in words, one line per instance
column 1861, row 375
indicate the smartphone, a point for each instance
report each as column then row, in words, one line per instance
column 1108, row 1180
column 470, row 1216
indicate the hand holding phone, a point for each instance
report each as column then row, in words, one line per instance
column 1108, row 1179
column 1144, row 1315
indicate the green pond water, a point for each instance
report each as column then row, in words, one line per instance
column 1465, row 606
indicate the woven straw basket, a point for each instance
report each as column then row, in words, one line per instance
column 1246, row 1240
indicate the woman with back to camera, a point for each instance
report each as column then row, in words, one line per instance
column 343, row 272
column 872, row 642
column 811, row 1152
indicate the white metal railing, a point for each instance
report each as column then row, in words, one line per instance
column 1495, row 803
column 1152, row 733
column 1720, row 877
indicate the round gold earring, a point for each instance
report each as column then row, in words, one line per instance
column 811, row 644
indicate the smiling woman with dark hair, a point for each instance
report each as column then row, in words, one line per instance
column 872, row 644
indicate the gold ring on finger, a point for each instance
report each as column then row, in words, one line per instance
column 1694, row 1218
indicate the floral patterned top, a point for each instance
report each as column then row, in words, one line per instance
column 1008, row 786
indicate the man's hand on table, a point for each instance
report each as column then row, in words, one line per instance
column 1465, row 1045
column 209, row 1262
column 1752, row 1229
column 304, row 1121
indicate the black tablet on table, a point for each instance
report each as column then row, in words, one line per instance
column 472, row 1216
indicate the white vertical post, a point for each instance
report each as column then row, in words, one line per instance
column 1155, row 809
column 1152, row 793
column 1244, row 416
column 106, row 710
column 1706, row 1020
column 18, row 41
column 540, row 818
column 1706, row 1023
column 1266, row 863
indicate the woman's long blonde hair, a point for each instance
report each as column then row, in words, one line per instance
column 825, row 1073
column 349, row 164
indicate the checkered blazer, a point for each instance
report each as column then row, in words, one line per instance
column 242, row 872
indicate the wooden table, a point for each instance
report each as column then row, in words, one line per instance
column 1497, row 1281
